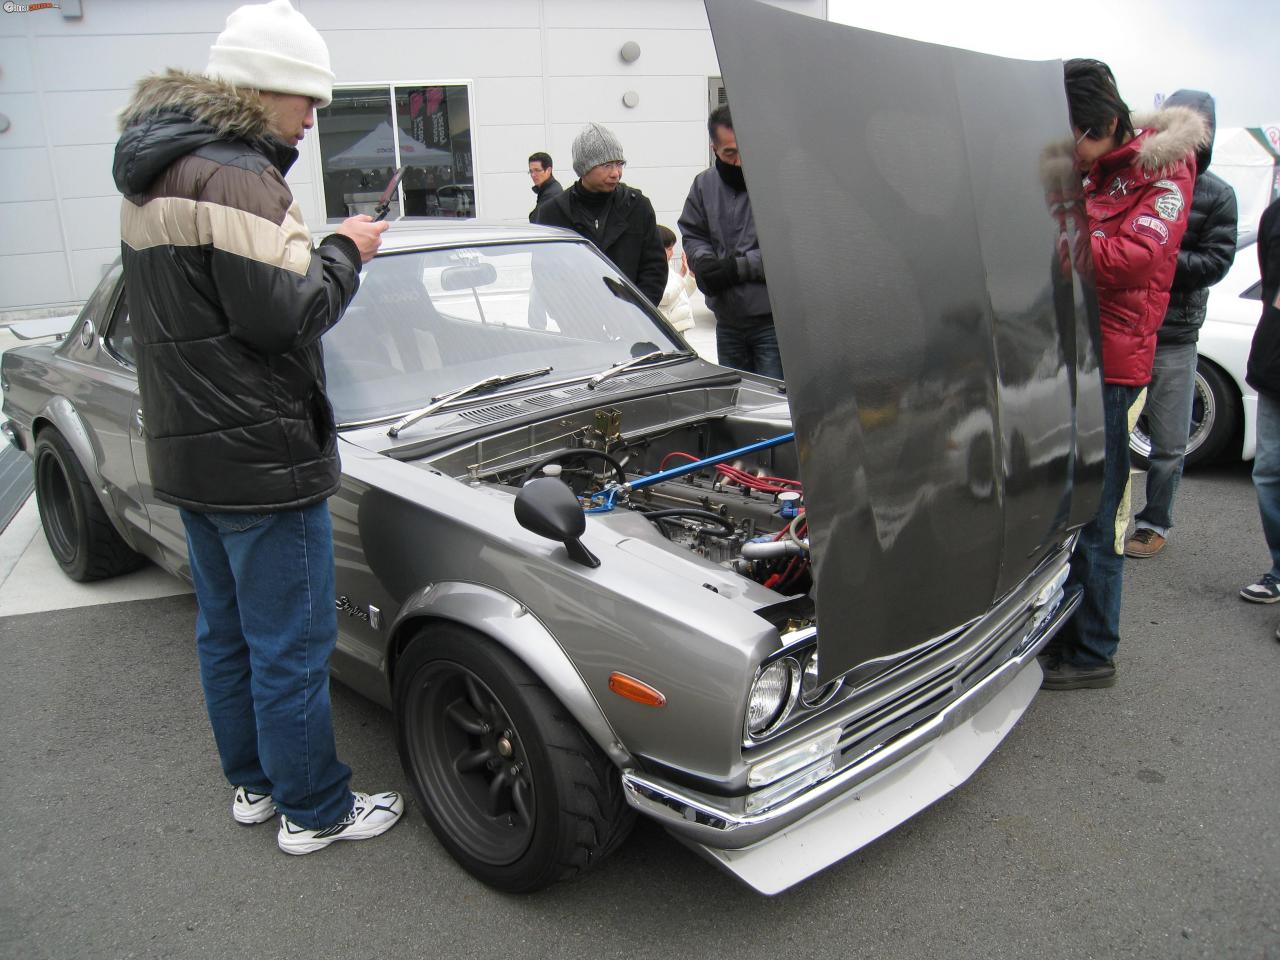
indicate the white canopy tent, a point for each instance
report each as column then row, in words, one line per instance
column 377, row 149
column 1248, row 158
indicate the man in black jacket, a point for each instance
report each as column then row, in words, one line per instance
column 228, row 301
column 615, row 217
column 545, row 184
column 1263, row 375
column 1208, row 248
column 719, row 233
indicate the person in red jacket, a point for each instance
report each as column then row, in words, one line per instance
column 1138, row 182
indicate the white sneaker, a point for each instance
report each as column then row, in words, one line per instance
column 370, row 816
column 250, row 808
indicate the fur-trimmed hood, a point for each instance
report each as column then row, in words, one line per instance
column 1175, row 132
column 175, row 112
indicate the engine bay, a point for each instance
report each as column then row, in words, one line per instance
column 725, row 489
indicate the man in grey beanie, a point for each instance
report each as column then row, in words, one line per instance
column 228, row 301
column 615, row 217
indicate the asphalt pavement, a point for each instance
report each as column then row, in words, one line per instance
column 1140, row 821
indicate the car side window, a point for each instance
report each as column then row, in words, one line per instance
column 119, row 336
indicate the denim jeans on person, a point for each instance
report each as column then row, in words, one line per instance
column 1091, row 636
column 1168, row 416
column 750, row 348
column 265, row 630
column 1266, row 474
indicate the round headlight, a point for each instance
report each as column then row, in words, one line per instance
column 771, row 696
column 811, row 694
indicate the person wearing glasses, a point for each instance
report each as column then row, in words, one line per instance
column 719, row 233
column 545, row 185
column 615, row 217
column 1138, row 177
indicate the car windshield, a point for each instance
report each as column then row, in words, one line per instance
column 425, row 323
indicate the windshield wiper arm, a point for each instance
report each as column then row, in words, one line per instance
column 622, row 366
column 488, row 383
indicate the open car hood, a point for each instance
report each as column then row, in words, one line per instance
column 928, row 263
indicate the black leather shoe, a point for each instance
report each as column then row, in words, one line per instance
column 1067, row 676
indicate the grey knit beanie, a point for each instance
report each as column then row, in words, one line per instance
column 593, row 146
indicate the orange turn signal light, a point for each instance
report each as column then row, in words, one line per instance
column 637, row 690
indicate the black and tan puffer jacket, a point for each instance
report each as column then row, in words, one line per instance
column 228, row 301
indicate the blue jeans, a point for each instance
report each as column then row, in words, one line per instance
column 754, row 348
column 1090, row 638
column 1266, row 474
column 1168, row 416
column 264, row 633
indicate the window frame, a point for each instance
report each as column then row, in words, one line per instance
column 391, row 85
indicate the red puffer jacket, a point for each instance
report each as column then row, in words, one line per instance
column 1136, row 198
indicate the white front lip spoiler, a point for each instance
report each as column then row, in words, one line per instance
column 881, row 803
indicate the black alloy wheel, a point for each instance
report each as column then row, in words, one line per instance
column 509, row 783
column 80, row 534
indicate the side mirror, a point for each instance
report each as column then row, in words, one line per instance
column 546, row 506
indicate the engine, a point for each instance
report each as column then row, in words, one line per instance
column 725, row 506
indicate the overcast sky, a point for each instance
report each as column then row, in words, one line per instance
column 1228, row 47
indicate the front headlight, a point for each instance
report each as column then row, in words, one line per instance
column 811, row 694
column 772, row 695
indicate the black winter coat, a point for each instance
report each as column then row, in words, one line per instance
column 228, row 301
column 629, row 237
column 548, row 189
column 1207, row 251
column 1264, row 356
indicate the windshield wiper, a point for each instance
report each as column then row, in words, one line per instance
column 622, row 366
column 488, row 383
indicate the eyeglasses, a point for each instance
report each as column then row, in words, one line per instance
column 614, row 164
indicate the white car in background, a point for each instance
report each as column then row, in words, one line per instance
column 1225, row 407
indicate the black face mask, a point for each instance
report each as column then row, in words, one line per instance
column 731, row 175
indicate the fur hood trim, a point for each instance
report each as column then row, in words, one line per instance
column 1175, row 132
column 233, row 113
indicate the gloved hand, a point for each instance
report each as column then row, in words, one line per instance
column 716, row 276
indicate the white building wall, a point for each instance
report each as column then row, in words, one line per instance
column 537, row 69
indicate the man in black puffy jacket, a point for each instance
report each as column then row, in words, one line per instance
column 1263, row 375
column 1208, row 248
column 228, row 301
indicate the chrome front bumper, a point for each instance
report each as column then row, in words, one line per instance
column 779, row 846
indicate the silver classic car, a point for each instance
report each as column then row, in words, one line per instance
column 594, row 575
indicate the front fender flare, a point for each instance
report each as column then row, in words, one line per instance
column 511, row 624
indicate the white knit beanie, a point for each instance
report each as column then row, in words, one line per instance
column 593, row 146
column 271, row 46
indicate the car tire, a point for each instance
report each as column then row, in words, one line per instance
column 509, row 783
column 80, row 534
column 1215, row 420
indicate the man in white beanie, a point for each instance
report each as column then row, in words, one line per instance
column 615, row 217
column 228, row 301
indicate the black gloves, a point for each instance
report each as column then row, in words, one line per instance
column 715, row 276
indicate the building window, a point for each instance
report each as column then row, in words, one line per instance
column 367, row 132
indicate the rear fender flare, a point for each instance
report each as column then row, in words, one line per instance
column 511, row 624
column 61, row 414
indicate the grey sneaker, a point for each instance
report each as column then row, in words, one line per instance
column 1266, row 590
column 249, row 808
column 371, row 815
